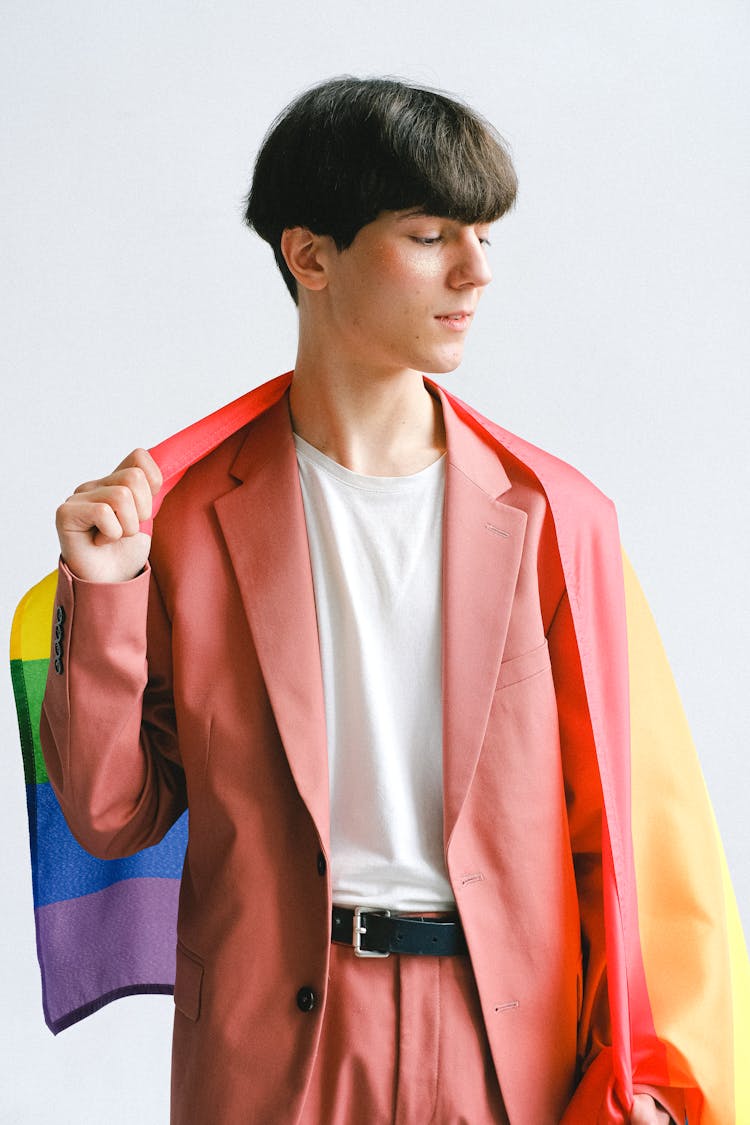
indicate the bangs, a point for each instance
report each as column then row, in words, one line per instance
column 445, row 160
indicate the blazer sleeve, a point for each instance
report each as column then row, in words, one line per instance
column 584, row 806
column 107, row 727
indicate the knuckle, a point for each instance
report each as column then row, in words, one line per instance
column 136, row 461
column 133, row 476
column 143, row 460
column 67, row 507
column 121, row 494
column 106, row 520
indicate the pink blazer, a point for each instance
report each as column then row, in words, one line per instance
column 200, row 682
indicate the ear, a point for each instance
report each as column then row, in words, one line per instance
column 305, row 254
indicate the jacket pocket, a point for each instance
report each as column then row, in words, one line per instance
column 523, row 667
column 188, row 983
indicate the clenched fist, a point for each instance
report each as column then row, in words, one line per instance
column 98, row 526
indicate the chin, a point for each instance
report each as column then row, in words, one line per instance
column 442, row 366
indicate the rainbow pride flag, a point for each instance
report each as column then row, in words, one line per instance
column 104, row 928
column 678, row 970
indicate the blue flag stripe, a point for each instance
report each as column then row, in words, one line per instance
column 63, row 869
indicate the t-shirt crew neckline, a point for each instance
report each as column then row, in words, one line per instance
column 361, row 480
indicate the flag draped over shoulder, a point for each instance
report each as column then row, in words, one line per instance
column 678, row 972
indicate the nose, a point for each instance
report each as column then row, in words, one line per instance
column 471, row 267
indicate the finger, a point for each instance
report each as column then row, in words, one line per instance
column 142, row 459
column 137, row 465
column 91, row 485
column 131, row 478
column 112, row 509
column 135, row 480
column 122, row 501
column 89, row 517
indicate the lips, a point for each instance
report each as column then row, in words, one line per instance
column 457, row 321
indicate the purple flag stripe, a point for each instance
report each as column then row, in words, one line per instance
column 115, row 942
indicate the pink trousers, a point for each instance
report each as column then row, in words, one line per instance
column 403, row 1043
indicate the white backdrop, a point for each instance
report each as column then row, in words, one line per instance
column 615, row 333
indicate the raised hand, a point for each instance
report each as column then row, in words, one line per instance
column 98, row 526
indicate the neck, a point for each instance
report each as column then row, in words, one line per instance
column 374, row 423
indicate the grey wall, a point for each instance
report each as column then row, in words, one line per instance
column 133, row 302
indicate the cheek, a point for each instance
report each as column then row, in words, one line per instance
column 391, row 288
column 406, row 267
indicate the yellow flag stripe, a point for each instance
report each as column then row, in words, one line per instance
column 740, row 973
column 693, row 949
column 32, row 622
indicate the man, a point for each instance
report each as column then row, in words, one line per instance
column 350, row 650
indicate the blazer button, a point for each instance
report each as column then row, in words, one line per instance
column 306, row 999
column 322, row 865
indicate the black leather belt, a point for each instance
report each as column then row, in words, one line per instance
column 377, row 933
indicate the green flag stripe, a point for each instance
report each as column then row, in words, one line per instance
column 29, row 678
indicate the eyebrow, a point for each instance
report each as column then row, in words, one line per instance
column 421, row 213
column 416, row 212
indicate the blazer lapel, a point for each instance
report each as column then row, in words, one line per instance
column 263, row 523
column 482, row 545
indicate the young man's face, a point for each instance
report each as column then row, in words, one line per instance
column 403, row 295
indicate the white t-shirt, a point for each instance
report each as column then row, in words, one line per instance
column 376, row 553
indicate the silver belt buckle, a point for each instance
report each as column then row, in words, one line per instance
column 360, row 927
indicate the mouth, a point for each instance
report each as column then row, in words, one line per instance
column 456, row 321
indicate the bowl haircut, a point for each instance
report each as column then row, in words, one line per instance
column 349, row 148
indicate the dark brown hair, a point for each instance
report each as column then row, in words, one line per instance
column 349, row 148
